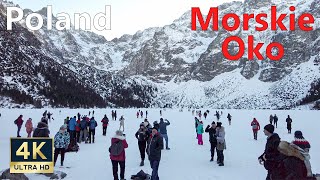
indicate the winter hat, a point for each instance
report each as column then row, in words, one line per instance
column 30, row 119
column 155, row 128
column 219, row 124
column 63, row 127
column 298, row 135
column 119, row 133
column 269, row 128
column 213, row 122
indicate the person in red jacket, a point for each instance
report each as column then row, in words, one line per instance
column 118, row 154
column 105, row 122
column 255, row 128
column 78, row 129
column 19, row 123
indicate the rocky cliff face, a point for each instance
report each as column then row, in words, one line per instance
column 174, row 65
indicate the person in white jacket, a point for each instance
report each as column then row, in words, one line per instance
column 121, row 123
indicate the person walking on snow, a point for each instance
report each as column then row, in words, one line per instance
column 138, row 114
column 118, row 154
column 61, row 143
column 217, row 115
column 271, row 119
column 221, row 143
column 255, row 128
column 92, row 129
column 289, row 124
column 141, row 114
column 200, row 132
column 205, row 115
column 229, row 118
column 121, row 123
column 275, row 120
column 163, row 131
column 19, row 123
column 142, row 135
column 115, row 115
column 29, row 127
column 212, row 138
column 105, row 122
column 72, row 128
column 84, row 130
column 154, row 147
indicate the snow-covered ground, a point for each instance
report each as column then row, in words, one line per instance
column 186, row 160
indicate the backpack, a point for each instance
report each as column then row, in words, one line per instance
column 116, row 148
column 15, row 121
column 92, row 124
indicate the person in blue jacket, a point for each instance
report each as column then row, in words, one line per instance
column 72, row 128
column 92, row 129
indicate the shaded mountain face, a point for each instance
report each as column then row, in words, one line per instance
column 170, row 65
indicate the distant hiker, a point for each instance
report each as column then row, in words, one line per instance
column 212, row 138
column 200, row 114
column 205, row 115
column 217, row 115
column 92, row 129
column 221, row 143
column 112, row 115
column 121, row 123
column 271, row 119
column 163, row 131
column 72, row 128
column 41, row 130
column 115, row 115
column 142, row 135
column 275, row 120
column 199, row 133
column 138, row 114
column 255, row 128
column 45, row 113
column 160, row 112
column 44, row 119
column 29, row 127
column 105, row 122
column 208, row 111
column 49, row 116
column 141, row 114
column 146, row 114
column 229, row 118
column 78, row 130
column 19, row 123
column 117, row 154
column 79, row 116
column 89, row 113
column 196, row 123
column 155, row 144
column 93, row 113
column 271, row 156
column 61, row 143
column 289, row 124
column 84, row 130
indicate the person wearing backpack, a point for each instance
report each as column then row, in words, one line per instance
column 229, row 118
column 255, row 128
column 154, row 147
column 271, row 118
column 72, row 128
column 142, row 135
column 105, row 122
column 199, row 133
column 84, row 130
column 117, row 154
column 19, row 123
column 92, row 129
column 271, row 157
column 221, row 143
column 29, row 127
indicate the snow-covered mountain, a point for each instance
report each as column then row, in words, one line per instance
column 175, row 66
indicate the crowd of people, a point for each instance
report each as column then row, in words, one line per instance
column 151, row 137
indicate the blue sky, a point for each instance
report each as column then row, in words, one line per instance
column 127, row 16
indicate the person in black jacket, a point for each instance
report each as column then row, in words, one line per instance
column 41, row 130
column 289, row 124
column 272, row 158
column 212, row 138
column 155, row 144
column 275, row 120
column 142, row 135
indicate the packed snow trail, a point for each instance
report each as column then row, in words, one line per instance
column 186, row 160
